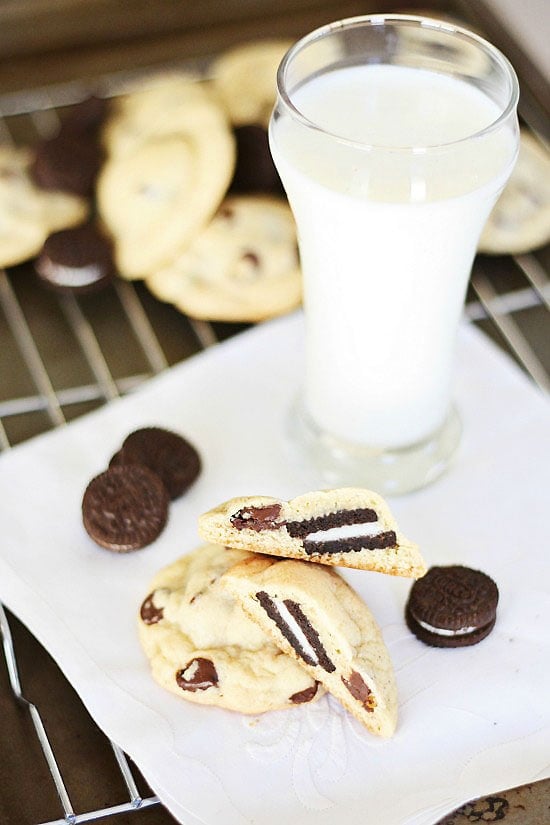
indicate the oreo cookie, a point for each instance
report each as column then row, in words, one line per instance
column 76, row 260
column 170, row 456
column 452, row 606
column 125, row 508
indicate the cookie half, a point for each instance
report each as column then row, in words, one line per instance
column 203, row 647
column 243, row 266
column 314, row 616
column 452, row 606
column 349, row 526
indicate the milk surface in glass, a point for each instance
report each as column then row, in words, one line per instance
column 387, row 238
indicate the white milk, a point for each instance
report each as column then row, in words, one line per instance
column 387, row 239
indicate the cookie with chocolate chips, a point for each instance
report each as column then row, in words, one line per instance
column 242, row 267
column 315, row 617
column 452, row 606
column 350, row 527
column 203, row 647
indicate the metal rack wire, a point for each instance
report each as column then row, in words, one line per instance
column 509, row 298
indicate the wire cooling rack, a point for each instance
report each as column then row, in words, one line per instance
column 61, row 356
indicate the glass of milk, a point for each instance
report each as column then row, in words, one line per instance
column 393, row 136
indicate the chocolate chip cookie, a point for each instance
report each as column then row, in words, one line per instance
column 203, row 647
column 315, row 617
column 351, row 527
column 242, row 267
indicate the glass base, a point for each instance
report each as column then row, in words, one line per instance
column 329, row 461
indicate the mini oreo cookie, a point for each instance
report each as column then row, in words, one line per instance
column 170, row 456
column 76, row 260
column 125, row 508
column 452, row 606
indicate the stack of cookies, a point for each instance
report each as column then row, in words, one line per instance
column 258, row 619
column 191, row 197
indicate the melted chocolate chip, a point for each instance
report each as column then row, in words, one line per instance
column 301, row 529
column 304, row 696
column 198, row 674
column 360, row 691
column 379, row 542
column 149, row 613
column 251, row 258
column 257, row 518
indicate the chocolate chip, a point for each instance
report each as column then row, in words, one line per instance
column 257, row 518
column 198, row 674
column 360, row 691
column 125, row 508
column 149, row 613
column 304, row 696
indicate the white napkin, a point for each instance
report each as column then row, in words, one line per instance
column 472, row 721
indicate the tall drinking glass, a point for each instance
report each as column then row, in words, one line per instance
column 393, row 136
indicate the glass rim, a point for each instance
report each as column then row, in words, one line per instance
column 416, row 20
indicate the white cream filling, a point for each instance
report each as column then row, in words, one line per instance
column 441, row 631
column 346, row 531
column 296, row 630
column 70, row 275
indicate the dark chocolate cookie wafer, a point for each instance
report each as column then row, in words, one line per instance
column 452, row 606
column 169, row 455
column 76, row 260
column 125, row 508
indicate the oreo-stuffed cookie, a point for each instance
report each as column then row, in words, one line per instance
column 348, row 526
column 203, row 647
column 452, row 606
column 315, row 617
